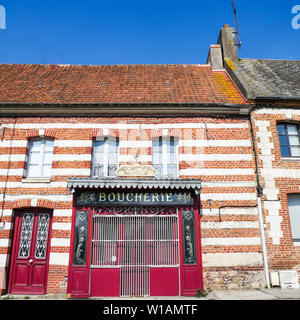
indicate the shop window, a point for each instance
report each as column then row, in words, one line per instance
column 105, row 156
column 294, row 211
column 40, row 154
column 289, row 139
column 165, row 156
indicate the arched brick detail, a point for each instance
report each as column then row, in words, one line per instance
column 105, row 132
column 22, row 203
column 292, row 189
column 96, row 133
column 25, row 203
column 31, row 133
column 155, row 133
column 45, row 203
column 48, row 133
column 174, row 133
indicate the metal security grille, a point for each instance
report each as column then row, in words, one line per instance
column 135, row 243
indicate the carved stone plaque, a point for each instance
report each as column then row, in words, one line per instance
column 136, row 170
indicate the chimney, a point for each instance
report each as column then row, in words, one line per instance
column 228, row 43
column 215, row 58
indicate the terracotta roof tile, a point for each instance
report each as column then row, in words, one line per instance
column 115, row 84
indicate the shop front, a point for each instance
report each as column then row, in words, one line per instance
column 135, row 237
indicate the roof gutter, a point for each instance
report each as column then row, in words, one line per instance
column 123, row 109
column 271, row 98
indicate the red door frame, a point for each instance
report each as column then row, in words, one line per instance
column 18, row 218
column 79, row 275
column 189, row 274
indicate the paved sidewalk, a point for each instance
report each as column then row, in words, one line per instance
column 259, row 294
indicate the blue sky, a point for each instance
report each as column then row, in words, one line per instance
column 142, row 32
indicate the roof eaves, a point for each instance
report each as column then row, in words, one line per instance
column 123, row 108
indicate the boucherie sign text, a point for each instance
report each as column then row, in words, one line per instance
column 134, row 198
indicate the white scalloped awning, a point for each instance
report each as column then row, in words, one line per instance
column 117, row 183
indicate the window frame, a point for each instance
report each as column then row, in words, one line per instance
column 165, row 140
column 292, row 217
column 42, row 157
column 106, row 153
column 285, row 125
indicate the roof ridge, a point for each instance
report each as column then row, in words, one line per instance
column 104, row 65
column 288, row 60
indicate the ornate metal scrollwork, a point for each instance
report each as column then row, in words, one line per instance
column 79, row 257
column 25, row 237
column 136, row 210
column 189, row 237
column 42, row 236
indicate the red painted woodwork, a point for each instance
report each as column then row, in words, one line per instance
column 164, row 281
column 28, row 275
column 190, row 280
column 79, row 282
column 105, row 282
column 191, row 276
column 78, row 275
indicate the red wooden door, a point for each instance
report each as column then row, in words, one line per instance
column 191, row 265
column 30, row 252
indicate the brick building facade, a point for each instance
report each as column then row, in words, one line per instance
column 272, row 87
column 72, row 136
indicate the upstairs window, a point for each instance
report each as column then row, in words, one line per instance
column 165, row 156
column 289, row 139
column 294, row 211
column 40, row 154
column 105, row 156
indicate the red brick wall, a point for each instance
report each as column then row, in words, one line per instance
column 215, row 150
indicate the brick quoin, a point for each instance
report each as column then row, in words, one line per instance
column 283, row 254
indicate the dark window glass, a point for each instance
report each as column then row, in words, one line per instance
column 289, row 139
column 80, row 239
column 294, row 211
column 285, row 152
column 189, row 237
column 280, row 129
column 283, row 141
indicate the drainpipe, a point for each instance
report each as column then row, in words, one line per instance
column 260, row 215
column 263, row 240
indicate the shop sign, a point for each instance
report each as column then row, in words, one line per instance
column 134, row 198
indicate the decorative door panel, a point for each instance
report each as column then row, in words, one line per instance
column 78, row 278
column 191, row 270
column 129, row 244
column 30, row 252
column 38, row 274
column 21, row 274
